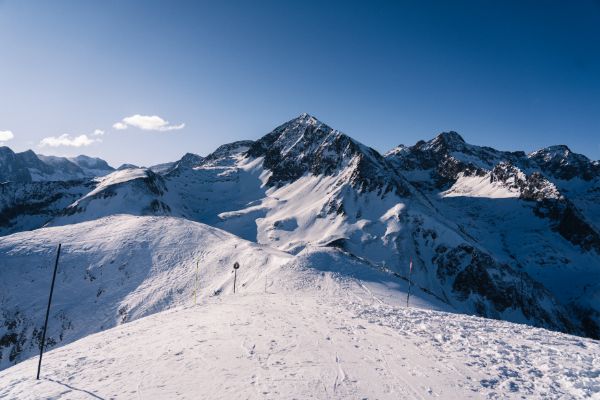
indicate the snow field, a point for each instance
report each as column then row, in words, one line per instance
column 313, row 345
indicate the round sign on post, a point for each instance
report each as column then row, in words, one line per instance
column 236, row 266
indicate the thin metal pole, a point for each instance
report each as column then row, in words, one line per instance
column 196, row 283
column 234, row 279
column 409, row 282
column 48, row 312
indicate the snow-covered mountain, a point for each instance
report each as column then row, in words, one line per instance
column 537, row 212
column 503, row 235
column 30, row 167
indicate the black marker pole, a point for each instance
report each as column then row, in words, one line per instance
column 47, row 313
column 409, row 281
column 236, row 266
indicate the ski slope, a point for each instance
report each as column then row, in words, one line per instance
column 312, row 335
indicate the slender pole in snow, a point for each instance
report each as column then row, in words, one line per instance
column 196, row 283
column 47, row 313
column 409, row 282
column 235, row 268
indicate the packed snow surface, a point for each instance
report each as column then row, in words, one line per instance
column 332, row 341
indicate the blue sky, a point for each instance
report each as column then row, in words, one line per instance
column 513, row 75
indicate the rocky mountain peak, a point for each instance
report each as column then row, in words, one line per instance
column 450, row 137
column 308, row 119
column 550, row 153
column 305, row 145
column 560, row 162
column 444, row 142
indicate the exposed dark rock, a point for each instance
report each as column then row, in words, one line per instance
column 307, row 146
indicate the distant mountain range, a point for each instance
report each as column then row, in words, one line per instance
column 30, row 167
column 499, row 234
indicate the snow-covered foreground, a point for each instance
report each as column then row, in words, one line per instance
column 312, row 335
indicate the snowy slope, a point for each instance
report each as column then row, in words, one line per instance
column 112, row 270
column 327, row 338
column 119, row 268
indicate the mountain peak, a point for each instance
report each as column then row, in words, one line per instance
column 305, row 145
column 306, row 119
column 561, row 162
column 190, row 160
column 449, row 138
column 558, row 150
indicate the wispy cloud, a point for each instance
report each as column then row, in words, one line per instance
column 98, row 132
column 147, row 123
column 68, row 140
column 6, row 135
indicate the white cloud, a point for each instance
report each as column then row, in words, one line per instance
column 119, row 126
column 68, row 140
column 6, row 135
column 98, row 132
column 147, row 123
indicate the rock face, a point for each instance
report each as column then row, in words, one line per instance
column 495, row 233
column 305, row 145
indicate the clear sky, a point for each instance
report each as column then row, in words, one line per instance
column 515, row 75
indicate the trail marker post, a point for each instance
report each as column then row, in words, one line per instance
column 196, row 283
column 409, row 282
column 236, row 266
column 47, row 313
